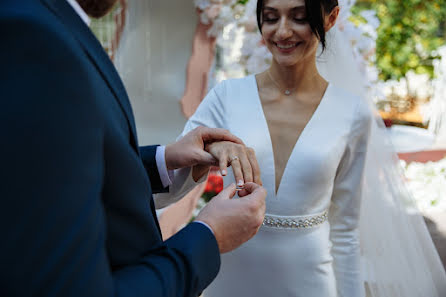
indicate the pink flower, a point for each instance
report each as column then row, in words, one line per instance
column 213, row 11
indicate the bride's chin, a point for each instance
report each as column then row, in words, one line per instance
column 286, row 62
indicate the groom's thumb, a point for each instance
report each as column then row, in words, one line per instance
column 227, row 192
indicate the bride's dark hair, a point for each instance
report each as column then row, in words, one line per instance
column 315, row 9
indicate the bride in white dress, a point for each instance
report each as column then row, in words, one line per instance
column 311, row 140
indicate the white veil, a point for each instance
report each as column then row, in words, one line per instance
column 398, row 255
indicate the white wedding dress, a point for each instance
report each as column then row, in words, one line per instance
column 308, row 245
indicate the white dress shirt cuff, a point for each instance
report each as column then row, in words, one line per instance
column 166, row 176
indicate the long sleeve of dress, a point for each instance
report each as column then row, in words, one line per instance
column 345, row 207
column 210, row 113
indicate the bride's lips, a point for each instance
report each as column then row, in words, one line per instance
column 286, row 48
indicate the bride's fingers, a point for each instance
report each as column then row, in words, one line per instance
column 236, row 168
column 223, row 164
column 246, row 168
column 255, row 166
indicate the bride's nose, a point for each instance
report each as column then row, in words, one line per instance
column 284, row 31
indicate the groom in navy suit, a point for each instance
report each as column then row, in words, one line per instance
column 77, row 215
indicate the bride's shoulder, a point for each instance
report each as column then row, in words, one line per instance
column 227, row 92
column 234, row 84
column 358, row 106
column 233, row 90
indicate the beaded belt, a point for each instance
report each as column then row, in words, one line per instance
column 295, row 222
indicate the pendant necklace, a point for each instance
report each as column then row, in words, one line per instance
column 287, row 92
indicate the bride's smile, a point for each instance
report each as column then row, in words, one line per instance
column 287, row 47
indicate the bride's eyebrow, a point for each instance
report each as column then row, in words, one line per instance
column 270, row 8
column 297, row 8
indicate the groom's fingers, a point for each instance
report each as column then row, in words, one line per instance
column 207, row 159
column 256, row 197
column 217, row 134
column 248, row 189
column 228, row 192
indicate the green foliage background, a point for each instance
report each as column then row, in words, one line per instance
column 409, row 32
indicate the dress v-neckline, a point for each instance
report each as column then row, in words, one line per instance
column 308, row 125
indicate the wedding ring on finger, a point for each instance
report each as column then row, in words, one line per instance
column 239, row 188
column 240, row 185
column 232, row 159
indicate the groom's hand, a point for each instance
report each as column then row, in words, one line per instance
column 234, row 221
column 189, row 150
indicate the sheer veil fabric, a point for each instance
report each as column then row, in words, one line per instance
column 397, row 252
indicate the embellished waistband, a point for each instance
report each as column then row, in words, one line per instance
column 295, row 222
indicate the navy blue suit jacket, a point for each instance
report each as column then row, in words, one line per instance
column 77, row 215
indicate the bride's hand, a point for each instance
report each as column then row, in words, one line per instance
column 242, row 159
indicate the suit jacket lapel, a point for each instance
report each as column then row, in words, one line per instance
column 98, row 56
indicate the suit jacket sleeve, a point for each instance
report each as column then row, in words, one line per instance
column 52, row 223
column 148, row 154
column 345, row 206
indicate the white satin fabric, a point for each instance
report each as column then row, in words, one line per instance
column 324, row 172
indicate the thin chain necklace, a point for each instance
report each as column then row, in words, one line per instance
column 287, row 92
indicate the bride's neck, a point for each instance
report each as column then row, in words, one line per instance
column 302, row 76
